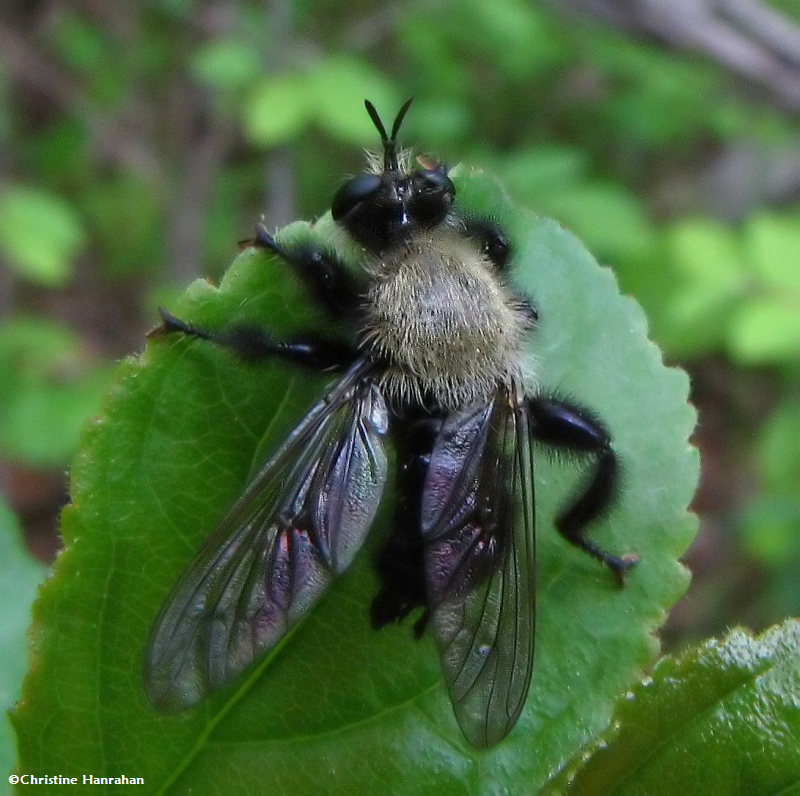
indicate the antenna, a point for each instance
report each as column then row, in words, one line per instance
column 389, row 143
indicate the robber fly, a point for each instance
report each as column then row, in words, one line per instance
column 430, row 355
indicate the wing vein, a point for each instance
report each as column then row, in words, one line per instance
column 269, row 560
column 479, row 561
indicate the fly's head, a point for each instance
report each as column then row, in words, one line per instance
column 384, row 208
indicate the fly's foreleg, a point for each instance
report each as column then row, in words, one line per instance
column 256, row 345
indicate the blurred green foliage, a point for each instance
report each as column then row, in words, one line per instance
column 19, row 578
column 48, row 390
column 137, row 136
column 40, row 235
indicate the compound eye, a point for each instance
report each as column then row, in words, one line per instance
column 353, row 193
column 433, row 193
column 436, row 181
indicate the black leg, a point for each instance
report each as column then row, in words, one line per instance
column 490, row 238
column 575, row 430
column 494, row 243
column 331, row 283
column 255, row 345
column 400, row 560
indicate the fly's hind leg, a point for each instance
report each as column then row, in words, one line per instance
column 575, row 430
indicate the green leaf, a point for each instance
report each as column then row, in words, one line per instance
column 339, row 706
column 59, row 151
column 772, row 245
column 767, row 526
column 279, row 109
column 767, row 529
column 338, row 85
column 227, row 63
column 436, row 120
column 534, row 173
column 40, row 234
column 48, row 390
column 778, row 446
column 82, row 44
column 20, row 574
column 610, row 218
column 719, row 719
column 514, row 34
column 126, row 215
column 708, row 254
column 697, row 319
column 698, row 306
column 765, row 330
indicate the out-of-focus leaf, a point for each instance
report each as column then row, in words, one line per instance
column 708, row 282
column 437, row 121
column 431, row 56
column 19, row 576
column 608, row 217
column 708, row 253
column 59, row 151
column 127, row 216
column 40, row 234
column 82, row 44
column 769, row 523
column 340, row 86
column 698, row 317
column 772, row 248
column 227, row 63
column 278, row 109
column 48, row 390
column 720, row 719
column 658, row 100
column 533, row 174
column 765, row 330
column 778, row 447
column 768, row 530
column 92, row 51
column 513, row 32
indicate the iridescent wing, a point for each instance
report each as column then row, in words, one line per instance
column 298, row 524
column 478, row 531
